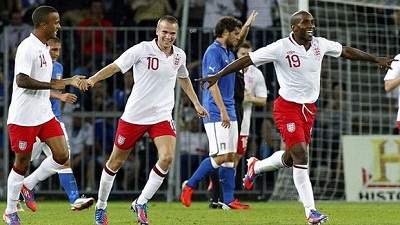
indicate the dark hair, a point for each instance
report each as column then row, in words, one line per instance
column 169, row 19
column 229, row 23
column 41, row 14
column 297, row 17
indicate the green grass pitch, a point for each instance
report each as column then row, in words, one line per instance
column 163, row 213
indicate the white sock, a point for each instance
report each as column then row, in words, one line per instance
column 14, row 185
column 47, row 168
column 272, row 163
column 153, row 184
column 106, row 184
column 303, row 185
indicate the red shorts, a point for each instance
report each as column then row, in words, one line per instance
column 294, row 121
column 23, row 137
column 128, row 134
column 242, row 144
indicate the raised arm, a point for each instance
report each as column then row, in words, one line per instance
column 234, row 66
column 245, row 29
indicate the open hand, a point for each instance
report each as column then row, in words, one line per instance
column 68, row 97
column 385, row 63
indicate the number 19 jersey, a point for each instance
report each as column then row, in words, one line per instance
column 298, row 71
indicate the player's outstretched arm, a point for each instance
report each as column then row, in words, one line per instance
column 234, row 66
column 356, row 54
column 102, row 74
column 74, row 81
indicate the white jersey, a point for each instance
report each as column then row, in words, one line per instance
column 298, row 71
column 154, row 74
column 393, row 74
column 31, row 107
column 254, row 83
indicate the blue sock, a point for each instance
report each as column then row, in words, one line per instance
column 68, row 182
column 227, row 178
column 202, row 171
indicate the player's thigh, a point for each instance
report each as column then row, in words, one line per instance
column 58, row 147
column 164, row 136
column 221, row 140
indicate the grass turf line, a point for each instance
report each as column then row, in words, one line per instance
column 161, row 213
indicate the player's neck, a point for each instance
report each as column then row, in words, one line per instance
column 306, row 44
column 168, row 50
column 40, row 36
column 222, row 41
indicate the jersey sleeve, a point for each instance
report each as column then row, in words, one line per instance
column 266, row 54
column 332, row 48
column 181, row 60
column 395, row 71
column 24, row 60
column 126, row 60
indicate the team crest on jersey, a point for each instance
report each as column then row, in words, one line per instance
column 121, row 140
column 177, row 60
column 291, row 127
column 22, row 145
column 317, row 51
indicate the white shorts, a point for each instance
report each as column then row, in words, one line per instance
column 222, row 140
column 40, row 146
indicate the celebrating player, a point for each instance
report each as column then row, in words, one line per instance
column 156, row 65
column 65, row 174
column 30, row 114
column 297, row 60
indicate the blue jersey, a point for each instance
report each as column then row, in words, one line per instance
column 215, row 59
column 55, row 103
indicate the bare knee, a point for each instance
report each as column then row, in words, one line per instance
column 61, row 158
column 22, row 162
column 299, row 155
column 166, row 159
column 115, row 163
